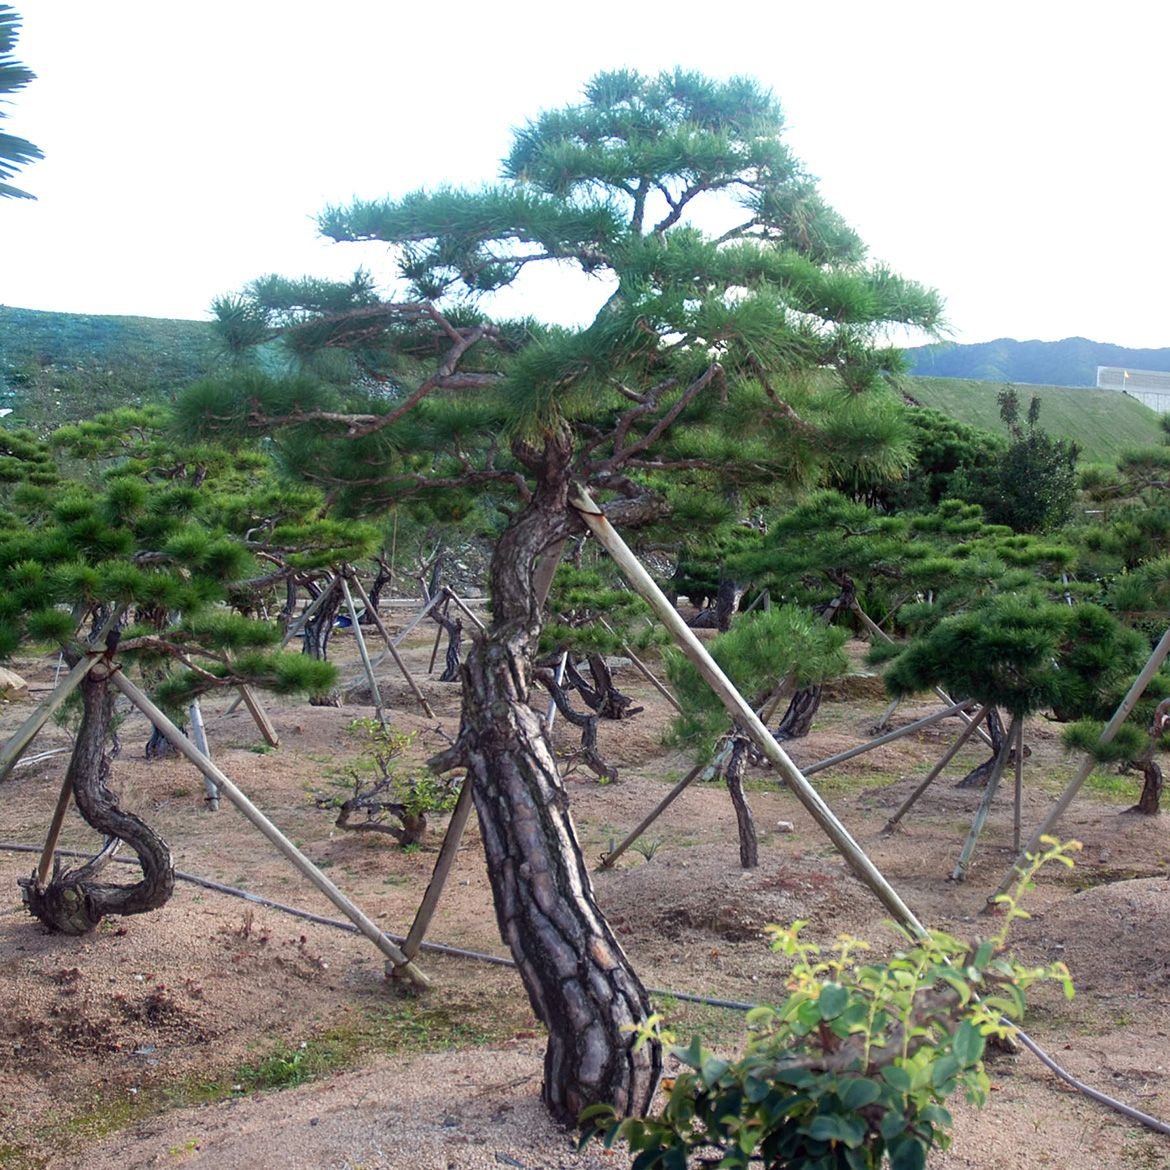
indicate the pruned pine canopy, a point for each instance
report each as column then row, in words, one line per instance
column 738, row 315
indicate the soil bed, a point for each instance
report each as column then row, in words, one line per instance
column 222, row 1034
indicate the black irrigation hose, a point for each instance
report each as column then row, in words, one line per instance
column 1129, row 1111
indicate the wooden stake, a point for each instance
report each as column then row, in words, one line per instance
column 54, row 833
column 27, row 731
column 950, row 754
column 609, row 858
column 1019, row 794
column 299, row 861
column 960, row 872
column 360, row 638
column 1135, row 692
column 443, row 865
column 645, row 672
column 459, row 602
column 878, row 632
column 889, row 737
column 739, row 710
column 392, row 650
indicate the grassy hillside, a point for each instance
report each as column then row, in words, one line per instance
column 1103, row 423
column 55, row 367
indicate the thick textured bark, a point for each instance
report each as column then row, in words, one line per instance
column 1150, row 802
column 579, row 981
column 749, row 849
column 602, row 696
column 74, row 902
column 453, row 628
column 981, row 774
column 802, row 709
column 316, row 639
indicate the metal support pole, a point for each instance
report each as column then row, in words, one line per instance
column 299, row 861
column 739, row 709
column 199, row 735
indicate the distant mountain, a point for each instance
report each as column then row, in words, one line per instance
column 1071, row 362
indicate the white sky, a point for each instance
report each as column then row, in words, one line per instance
column 1011, row 153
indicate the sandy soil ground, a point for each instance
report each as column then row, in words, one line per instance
column 218, row 1033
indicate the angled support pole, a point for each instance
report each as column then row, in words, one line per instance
column 933, row 774
column 960, row 872
column 1135, row 692
column 739, row 709
column 645, row 671
column 360, row 638
column 890, row 736
column 26, row 732
column 391, row 647
column 299, row 861
column 442, row 871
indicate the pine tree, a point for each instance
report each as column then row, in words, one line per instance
column 696, row 370
column 142, row 544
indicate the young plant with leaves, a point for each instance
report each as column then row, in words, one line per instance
column 851, row 1072
column 690, row 367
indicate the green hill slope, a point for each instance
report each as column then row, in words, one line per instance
column 1103, row 423
column 56, row 367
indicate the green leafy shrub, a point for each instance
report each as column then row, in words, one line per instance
column 851, row 1071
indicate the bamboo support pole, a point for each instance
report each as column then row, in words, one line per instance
column 889, row 737
column 460, row 603
column 199, row 735
column 960, row 871
column 360, row 638
column 878, row 632
column 1135, row 692
column 550, row 715
column 392, row 649
column 932, row 775
column 645, row 671
column 442, row 871
column 739, row 710
column 45, row 865
column 298, row 860
column 609, row 858
column 26, row 732
column 1019, row 792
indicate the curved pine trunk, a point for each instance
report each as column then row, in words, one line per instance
column 578, row 979
column 75, row 902
column 749, row 848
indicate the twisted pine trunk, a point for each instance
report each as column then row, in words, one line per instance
column 75, row 902
column 578, row 980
